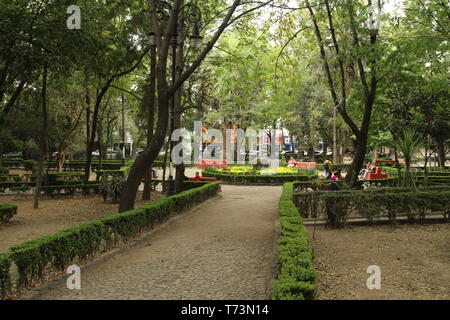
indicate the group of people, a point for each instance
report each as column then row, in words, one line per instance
column 331, row 176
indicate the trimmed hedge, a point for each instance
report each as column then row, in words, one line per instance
column 62, row 249
column 337, row 206
column 69, row 188
column 296, row 280
column 271, row 179
column 71, row 165
column 5, row 277
column 7, row 211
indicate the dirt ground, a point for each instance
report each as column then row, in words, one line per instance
column 53, row 215
column 414, row 262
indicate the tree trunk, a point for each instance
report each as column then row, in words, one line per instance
column 358, row 161
column 43, row 141
column 144, row 161
column 87, row 169
column 179, row 66
column 441, row 153
column 151, row 93
column 88, row 116
column 60, row 159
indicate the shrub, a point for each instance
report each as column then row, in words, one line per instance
column 7, row 211
column 5, row 277
column 29, row 165
column 60, row 250
column 296, row 280
column 112, row 186
column 337, row 206
column 4, row 171
column 252, row 177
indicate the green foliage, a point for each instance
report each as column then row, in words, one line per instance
column 112, row 186
column 7, row 211
column 296, row 280
column 372, row 203
column 408, row 144
column 5, row 277
column 252, row 177
column 4, row 171
column 29, row 165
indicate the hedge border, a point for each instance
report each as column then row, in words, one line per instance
column 61, row 249
column 336, row 206
column 297, row 277
column 258, row 179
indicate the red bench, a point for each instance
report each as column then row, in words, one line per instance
column 204, row 179
column 306, row 165
column 377, row 174
column 205, row 164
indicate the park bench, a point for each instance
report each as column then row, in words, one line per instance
column 377, row 174
column 205, row 164
column 203, row 179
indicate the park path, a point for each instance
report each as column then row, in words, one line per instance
column 223, row 249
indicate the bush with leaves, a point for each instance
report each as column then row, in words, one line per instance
column 338, row 206
column 112, row 187
column 296, row 279
column 7, row 211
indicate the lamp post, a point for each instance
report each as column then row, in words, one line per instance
column 192, row 16
column 123, row 130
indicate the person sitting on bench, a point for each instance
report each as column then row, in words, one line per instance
column 292, row 163
column 197, row 177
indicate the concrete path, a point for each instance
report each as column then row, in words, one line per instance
column 223, row 249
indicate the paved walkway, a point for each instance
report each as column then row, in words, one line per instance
column 224, row 249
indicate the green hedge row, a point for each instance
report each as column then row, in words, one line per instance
column 101, row 173
column 297, row 277
column 68, row 166
column 69, row 188
column 62, row 249
column 337, row 206
column 272, row 179
column 52, row 178
column 7, row 211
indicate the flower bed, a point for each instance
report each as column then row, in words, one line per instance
column 246, row 174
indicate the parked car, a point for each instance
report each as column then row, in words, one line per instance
column 15, row 154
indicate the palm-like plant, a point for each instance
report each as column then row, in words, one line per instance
column 409, row 144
